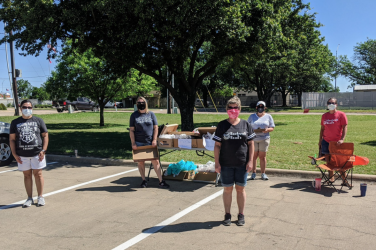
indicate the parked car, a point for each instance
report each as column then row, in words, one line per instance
column 6, row 156
column 199, row 102
column 112, row 104
column 81, row 103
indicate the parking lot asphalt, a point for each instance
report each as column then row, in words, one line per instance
column 91, row 205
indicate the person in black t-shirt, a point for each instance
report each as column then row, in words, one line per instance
column 233, row 154
column 28, row 140
column 143, row 132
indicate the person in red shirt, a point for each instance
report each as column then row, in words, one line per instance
column 333, row 128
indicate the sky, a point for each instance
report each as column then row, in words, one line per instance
column 345, row 22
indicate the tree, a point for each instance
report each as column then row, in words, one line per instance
column 149, row 35
column 40, row 93
column 363, row 68
column 24, row 89
column 86, row 75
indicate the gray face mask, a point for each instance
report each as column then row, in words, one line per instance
column 27, row 112
column 260, row 110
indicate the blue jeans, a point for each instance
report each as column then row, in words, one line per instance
column 324, row 147
column 140, row 144
column 231, row 175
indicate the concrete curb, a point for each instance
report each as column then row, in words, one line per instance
column 270, row 171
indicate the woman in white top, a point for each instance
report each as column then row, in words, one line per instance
column 261, row 121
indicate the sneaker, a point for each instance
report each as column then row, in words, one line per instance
column 241, row 220
column 41, row 201
column 253, row 176
column 163, row 184
column 227, row 220
column 264, row 176
column 144, row 184
column 28, row 202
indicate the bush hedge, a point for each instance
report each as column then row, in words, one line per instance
column 2, row 106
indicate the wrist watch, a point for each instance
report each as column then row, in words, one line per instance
column 44, row 151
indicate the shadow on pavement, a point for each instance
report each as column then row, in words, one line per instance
column 306, row 186
column 187, row 226
column 132, row 184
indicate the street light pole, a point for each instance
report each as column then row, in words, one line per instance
column 335, row 77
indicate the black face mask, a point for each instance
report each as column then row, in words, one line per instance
column 260, row 110
column 141, row 106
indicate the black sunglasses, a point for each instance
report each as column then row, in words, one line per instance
column 233, row 107
column 332, row 103
column 27, row 107
column 140, row 102
column 261, row 106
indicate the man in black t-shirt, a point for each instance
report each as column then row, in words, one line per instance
column 28, row 140
column 233, row 154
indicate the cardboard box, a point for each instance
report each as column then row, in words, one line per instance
column 183, row 132
column 179, row 177
column 204, row 130
column 167, row 143
column 193, row 143
column 145, row 153
column 206, row 176
column 259, row 130
column 200, row 143
column 190, row 175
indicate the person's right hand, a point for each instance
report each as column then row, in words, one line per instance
column 218, row 168
column 18, row 159
column 134, row 146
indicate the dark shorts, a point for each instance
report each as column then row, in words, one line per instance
column 140, row 144
column 324, row 147
column 231, row 175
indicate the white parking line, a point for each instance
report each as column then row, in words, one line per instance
column 17, row 168
column 68, row 188
column 9, row 170
column 164, row 223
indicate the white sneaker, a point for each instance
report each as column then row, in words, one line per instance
column 264, row 176
column 41, row 201
column 28, row 202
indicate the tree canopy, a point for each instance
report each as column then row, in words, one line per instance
column 84, row 74
column 363, row 68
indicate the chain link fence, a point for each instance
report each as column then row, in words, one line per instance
column 355, row 100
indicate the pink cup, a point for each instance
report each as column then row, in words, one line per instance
column 318, row 184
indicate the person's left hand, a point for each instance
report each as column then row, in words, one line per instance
column 154, row 143
column 339, row 142
column 41, row 155
column 249, row 166
column 266, row 130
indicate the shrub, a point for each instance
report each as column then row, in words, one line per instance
column 2, row 106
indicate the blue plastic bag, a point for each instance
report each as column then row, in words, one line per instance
column 176, row 168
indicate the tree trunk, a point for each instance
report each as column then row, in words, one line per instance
column 299, row 99
column 186, row 106
column 205, row 97
column 284, row 97
column 101, row 112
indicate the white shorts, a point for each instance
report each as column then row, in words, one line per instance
column 31, row 163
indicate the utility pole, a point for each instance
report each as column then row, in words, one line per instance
column 335, row 79
column 14, row 79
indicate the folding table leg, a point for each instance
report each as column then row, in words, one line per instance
column 151, row 167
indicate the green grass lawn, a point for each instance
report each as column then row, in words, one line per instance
column 295, row 137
